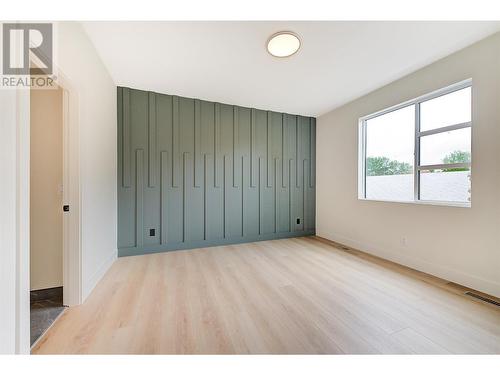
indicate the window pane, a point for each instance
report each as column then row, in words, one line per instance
column 389, row 155
column 449, row 109
column 445, row 148
column 445, row 185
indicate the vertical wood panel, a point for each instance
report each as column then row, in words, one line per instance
column 305, row 178
column 184, row 198
column 276, row 199
column 283, row 147
column 175, row 141
column 260, row 194
column 164, row 163
column 139, row 197
column 312, row 153
column 224, row 195
column 236, row 138
column 216, row 143
column 210, row 173
column 290, row 190
column 152, row 138
column 119, row 138
column 126, row 141
column 197, row 142
column 253, row 116
column 205, row 184
column 268, row 149
column 297, row 142
column 242, row 186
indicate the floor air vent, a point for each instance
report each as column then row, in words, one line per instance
column 485, row 299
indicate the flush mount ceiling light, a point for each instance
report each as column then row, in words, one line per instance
column 283, row 44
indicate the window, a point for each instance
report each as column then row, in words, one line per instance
column 419, row 151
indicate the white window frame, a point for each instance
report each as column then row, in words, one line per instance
column 418, row 135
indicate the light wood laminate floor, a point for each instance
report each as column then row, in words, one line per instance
column 297, row 295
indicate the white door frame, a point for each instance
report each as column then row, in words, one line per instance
column 72, row 282
column 72, row 256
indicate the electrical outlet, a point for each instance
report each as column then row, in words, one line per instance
column 298, row 220
column 152, row 232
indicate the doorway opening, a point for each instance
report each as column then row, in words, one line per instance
column 46, row 209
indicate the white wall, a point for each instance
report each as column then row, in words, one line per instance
column 96, row 100
column 14, row 222
column 46, row 198
column 458, row 244
column 80, row 64
column 8, row 221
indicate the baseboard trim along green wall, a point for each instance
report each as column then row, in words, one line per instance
column 128, row 251
column 193, row 173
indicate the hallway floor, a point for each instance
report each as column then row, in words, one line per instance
column 45, row 306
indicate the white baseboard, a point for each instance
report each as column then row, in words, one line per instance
column 98, row 274
column 459, row 277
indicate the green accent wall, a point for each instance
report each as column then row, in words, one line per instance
column 199, row 173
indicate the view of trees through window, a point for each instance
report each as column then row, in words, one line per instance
column 383, row 166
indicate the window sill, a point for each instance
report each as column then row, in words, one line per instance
column 427, row 203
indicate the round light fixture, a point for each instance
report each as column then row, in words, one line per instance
column 283, row 44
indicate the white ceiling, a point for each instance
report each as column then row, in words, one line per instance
column 228, row 62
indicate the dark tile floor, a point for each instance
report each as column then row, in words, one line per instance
column 46, row 305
